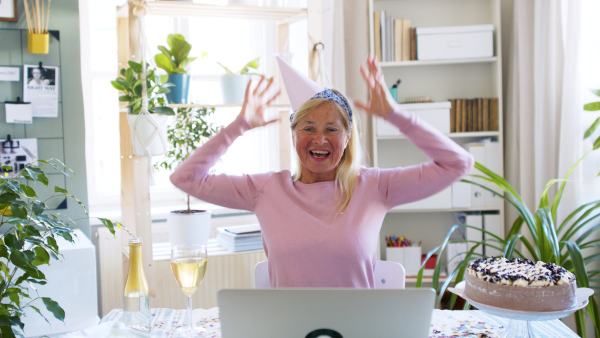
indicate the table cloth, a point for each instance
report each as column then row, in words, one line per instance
column 444, row 324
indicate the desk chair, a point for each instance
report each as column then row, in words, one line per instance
column 388, row 275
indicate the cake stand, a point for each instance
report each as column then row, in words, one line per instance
column 519, row 321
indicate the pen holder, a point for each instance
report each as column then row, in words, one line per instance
column 394, row 92
column 409, row 257
column 38, row 43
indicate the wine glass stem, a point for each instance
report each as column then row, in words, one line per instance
column 189, row 311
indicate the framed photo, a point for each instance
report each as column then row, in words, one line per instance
column 8, row 10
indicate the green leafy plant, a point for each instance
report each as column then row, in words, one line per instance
column 245, row 70
column 189, row 131
column 175, row 59
column 132, row 85
column 28, row 241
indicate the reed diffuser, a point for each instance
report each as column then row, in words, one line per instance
column 38, row 15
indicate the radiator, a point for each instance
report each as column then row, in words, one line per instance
column 224, row 270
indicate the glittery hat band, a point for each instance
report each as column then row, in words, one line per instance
column 339, row 99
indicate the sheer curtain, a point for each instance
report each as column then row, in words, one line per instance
column 543, row 134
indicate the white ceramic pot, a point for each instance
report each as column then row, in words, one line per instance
column 234, row 88
column 192, row 228
column 149, row 131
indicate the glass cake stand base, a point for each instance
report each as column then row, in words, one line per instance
column 520, row 321
column 518, row 329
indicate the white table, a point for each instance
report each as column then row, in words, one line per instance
column 444, row 323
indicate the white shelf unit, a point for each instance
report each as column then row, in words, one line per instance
column 441, row 80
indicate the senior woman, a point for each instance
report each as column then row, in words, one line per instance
column 320, row 226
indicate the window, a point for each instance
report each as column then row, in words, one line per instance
column 233, row 42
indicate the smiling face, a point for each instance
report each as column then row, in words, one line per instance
column 320, row 139
column 36, row 73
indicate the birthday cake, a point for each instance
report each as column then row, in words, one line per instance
column 520, row 284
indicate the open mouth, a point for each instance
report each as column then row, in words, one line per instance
column 319, row 154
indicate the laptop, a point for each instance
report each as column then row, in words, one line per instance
column 322, row 313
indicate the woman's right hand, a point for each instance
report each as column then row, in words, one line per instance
column 256, row 103
column 381, row 101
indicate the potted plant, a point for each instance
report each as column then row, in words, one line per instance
column 174, row 61
column 28, row 242
column 190, row 130
column 233, row 84
column 148, row 133
column 571, row 243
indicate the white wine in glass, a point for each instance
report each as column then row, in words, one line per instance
column 188, row 262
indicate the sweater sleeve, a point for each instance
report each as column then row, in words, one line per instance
column 237, row 192
column 447, row 163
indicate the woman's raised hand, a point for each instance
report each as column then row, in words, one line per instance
column 381, row 101
column 255, row 104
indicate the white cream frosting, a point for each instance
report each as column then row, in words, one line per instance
column 519, row 272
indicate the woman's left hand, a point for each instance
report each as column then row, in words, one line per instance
column 381, row 101
column 255, row 106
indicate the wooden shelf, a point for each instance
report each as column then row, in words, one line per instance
column 221, row 105
column 418, row 63
column 398, row 210
column 474, row 134
column 190, row 9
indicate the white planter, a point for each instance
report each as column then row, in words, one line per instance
column 234, row 88
column 193, row 228
column 149, row 131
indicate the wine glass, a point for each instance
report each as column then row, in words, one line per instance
column 188, row 262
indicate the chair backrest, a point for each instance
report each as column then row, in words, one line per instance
column 261, row 275
column 387, row 275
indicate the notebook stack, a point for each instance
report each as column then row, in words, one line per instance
column 240, row 237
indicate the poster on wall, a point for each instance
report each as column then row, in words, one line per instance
column 40, row 87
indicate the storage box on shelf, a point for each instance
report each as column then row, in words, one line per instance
column 456, row 42
column 443, row 75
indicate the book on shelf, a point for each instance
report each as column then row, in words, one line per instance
column 480, row 114
column 398, row 39
column 383, row 30
column 377, row 33
column 493, row 110
column 463, row 116
column 486, row 114
column 406, row 40
column 453, row 116
column 390, row 35
column 413, row 43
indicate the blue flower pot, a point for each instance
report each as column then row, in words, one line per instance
column 181, row 89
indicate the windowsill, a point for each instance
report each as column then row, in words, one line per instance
column 159, row 213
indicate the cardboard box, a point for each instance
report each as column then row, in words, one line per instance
column 435, row 113
column 409, row 257
column 458, row 42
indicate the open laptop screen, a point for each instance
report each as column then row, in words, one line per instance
column 323, row 313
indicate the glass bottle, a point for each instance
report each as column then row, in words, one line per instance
column 136, row 296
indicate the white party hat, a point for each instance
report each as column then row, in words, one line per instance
column 299, row 87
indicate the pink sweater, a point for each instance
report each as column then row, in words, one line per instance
column 307, row 243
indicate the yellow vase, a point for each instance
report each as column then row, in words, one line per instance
column 38, row 43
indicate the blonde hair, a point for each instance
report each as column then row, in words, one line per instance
column 351, row 161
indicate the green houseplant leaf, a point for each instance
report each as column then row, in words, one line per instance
column 27, row 241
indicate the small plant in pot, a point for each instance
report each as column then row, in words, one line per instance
column 234, row 84
column 189, row 130
column 174, row 61
column 145, row 140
